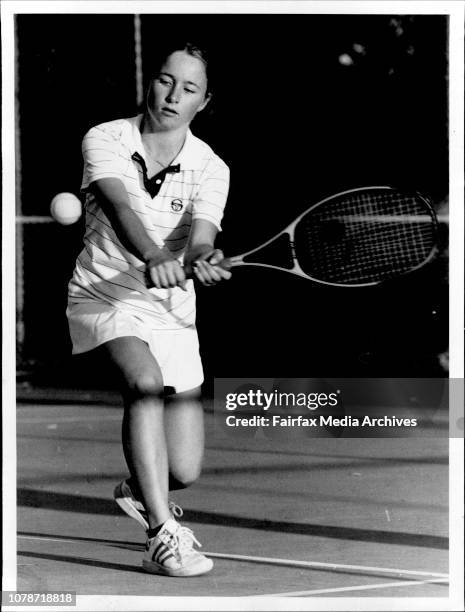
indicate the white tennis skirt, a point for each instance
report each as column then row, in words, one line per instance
column 176, row 351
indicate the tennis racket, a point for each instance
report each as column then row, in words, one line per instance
column 356, row 238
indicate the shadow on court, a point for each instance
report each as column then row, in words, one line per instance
column 321, row 515
column 93, row 505
column 83, row 561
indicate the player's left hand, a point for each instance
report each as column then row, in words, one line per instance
column 207, row 268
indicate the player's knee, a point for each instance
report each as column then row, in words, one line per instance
column 145, row 385
column 181, row 479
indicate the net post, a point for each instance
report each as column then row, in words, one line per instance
column 138, row 60
column 19, row 233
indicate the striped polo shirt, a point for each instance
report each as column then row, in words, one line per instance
column 105, row 270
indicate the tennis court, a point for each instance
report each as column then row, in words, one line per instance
column 320, row 517
column 307, row 517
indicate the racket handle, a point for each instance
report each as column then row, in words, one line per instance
column 227, row 263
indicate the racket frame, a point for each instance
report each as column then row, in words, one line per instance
column 238, row 260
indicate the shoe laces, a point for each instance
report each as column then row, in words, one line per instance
column 139, row 506
column 186, row 539
column 181, row 543
column 175, row 510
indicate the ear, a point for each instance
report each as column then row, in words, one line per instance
column 208, row 97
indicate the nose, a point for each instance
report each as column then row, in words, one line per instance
column 173, row 95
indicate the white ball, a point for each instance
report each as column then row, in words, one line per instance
column 66, row 208
column 346, row 60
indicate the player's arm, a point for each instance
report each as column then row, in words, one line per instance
column 201, row 256
column 162, row 269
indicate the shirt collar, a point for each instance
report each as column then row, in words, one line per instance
column 189, row 157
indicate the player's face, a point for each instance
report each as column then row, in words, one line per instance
column 178, row 92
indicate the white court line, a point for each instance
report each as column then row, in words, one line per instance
column 71, row 419
column 70, row 540
column 334, row 566
column 364, row 587
column 288, row 562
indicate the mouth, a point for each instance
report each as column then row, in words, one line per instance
column 168, row 111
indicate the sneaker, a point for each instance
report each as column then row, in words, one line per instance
column 127, row 501
column 171, row 552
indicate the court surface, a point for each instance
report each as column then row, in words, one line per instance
column 315, row 518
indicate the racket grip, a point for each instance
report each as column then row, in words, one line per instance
column 225, row 263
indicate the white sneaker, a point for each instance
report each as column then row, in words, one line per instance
column 134, row 508
column 171, row 552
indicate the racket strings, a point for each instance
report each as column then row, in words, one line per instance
column 365, row 237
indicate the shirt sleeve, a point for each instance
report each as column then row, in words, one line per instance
column 211, row 197
column 102, row 158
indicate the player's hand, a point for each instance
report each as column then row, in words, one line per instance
column 207, row 268
column 164, row 272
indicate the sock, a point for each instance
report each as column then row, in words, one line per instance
column 134, row 488
column 151, row 533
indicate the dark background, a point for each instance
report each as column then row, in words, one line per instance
column 295, row 125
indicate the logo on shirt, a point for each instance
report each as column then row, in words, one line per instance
column 176, row 205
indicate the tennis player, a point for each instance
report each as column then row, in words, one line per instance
column 155, row 196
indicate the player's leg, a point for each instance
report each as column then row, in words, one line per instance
column 143, row 422
column 169, row 548
column 184, row 426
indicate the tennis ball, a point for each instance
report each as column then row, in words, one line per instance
column 66, row 208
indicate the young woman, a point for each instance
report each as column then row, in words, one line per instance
column 155, row 196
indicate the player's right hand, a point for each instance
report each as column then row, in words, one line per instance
column 208, row 270
column 163, row 272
